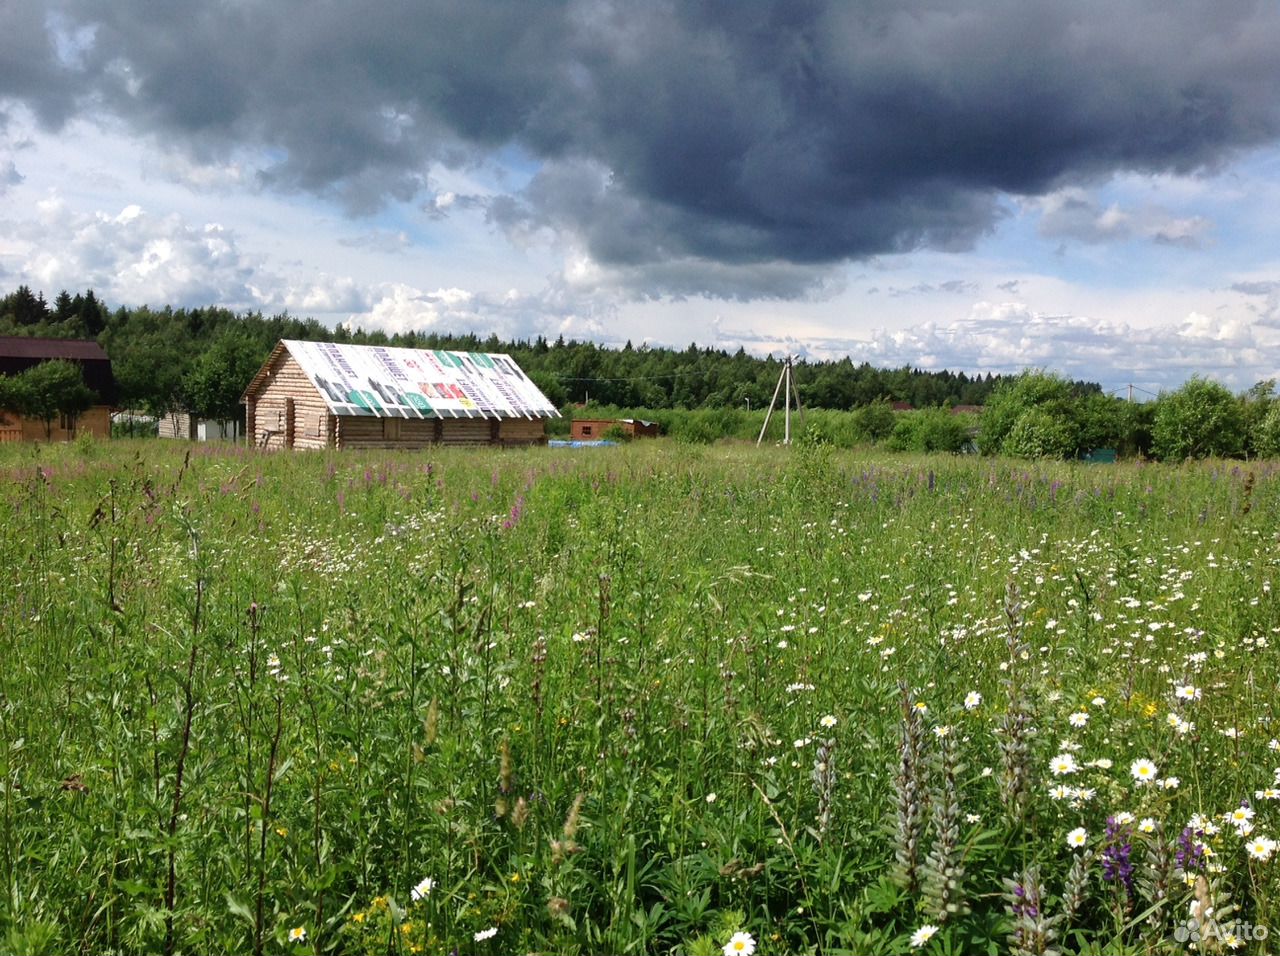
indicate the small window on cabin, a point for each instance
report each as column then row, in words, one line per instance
column 391, row 429
column 586, row 429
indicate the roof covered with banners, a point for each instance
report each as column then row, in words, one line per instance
column 386, row 382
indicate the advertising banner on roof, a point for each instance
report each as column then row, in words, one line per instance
column 416, row 383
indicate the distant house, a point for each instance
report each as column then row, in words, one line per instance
column 19, row 353
column 966, row 409
column 330, row 395
column 188, row 426
column 902, row 406
column 593, row 429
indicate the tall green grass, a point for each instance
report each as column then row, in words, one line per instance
column 624, row 700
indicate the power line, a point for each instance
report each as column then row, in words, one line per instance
column 637, row 378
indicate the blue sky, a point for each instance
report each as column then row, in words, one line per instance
column 985, row 187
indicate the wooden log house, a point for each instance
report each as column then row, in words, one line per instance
column 329, row 395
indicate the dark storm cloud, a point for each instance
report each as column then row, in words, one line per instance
column 727, row 131
column 30, row 68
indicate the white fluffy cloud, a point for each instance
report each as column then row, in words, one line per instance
column 510, row 315
column 132, row 256
column 1008, row 336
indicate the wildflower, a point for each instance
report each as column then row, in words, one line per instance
column 1124, row 817
column 828, row 721
column 1099, row 702
column 484, row 934
column 972, row 700
column 1102, row 763
column 922, row 707
column 1077, row 838
column 942, row 730
column 1169, row 783
column 1059, row 792
column 1261, row 848
column 740, row 944
column 1078, row 719
column 923, row 935
column 1239, row 816
column 1063, row 764
column 1186, row 692
column 298, row 934
column 1147, row 825
column 711, row 798
column 1191, row 852
column 1144, row 771
column 423, row 889
column 1116, row 865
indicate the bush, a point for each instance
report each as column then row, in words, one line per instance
column 1200, row 419
column 1266, row 439
column 875, row 422
column 932, row 430
column 1039, row 433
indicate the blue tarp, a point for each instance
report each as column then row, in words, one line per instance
column 561, row 443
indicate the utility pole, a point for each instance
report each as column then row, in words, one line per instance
column 784, row 382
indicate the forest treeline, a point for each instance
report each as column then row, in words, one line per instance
column 201, row 359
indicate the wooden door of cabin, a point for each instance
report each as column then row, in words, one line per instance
column 289, row 419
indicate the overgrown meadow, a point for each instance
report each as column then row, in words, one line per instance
column 643, row 699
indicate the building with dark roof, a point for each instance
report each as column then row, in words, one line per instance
column 19, row 353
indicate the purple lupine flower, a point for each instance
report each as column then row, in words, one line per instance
column 1028, row 908
column 1190, row 852
column 1117, row 847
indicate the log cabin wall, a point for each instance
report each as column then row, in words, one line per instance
column 522, row 431
column 267, row 414
column 357, row 431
